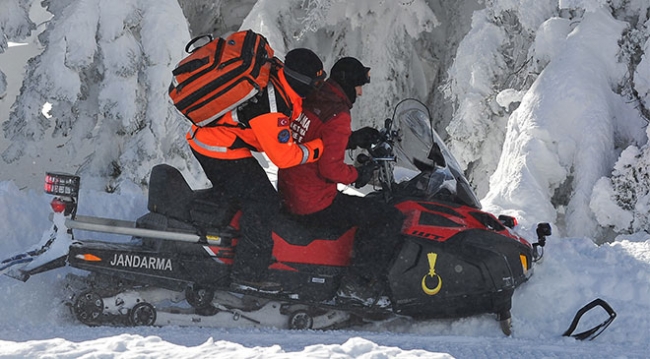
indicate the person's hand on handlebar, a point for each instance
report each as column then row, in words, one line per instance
column 365, row 170
column 363, row 137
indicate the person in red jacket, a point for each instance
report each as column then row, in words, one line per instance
column 310, row 191
column 224, row 151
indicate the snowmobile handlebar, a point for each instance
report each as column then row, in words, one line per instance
column 382, row 154
column 382, row 149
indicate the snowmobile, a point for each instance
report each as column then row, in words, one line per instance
column 455, row 260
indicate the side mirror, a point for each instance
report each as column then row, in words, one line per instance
column 543, row 230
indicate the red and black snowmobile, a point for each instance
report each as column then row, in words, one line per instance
column 455, row 260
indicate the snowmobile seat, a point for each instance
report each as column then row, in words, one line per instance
column 171, row 196
column 316, row 250
column 294, row 232
column 169, row 193
column 211, row 209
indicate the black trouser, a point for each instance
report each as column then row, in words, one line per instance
column 377, row 238
column 244, row 181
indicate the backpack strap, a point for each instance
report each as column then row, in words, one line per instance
column 273, row 105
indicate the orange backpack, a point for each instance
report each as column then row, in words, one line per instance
column 220, row 75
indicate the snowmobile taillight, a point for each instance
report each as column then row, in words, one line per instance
column 62, row 184
column 60, row 206
column 66, row 188
column 88, row 257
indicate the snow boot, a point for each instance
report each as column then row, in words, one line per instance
column 355, row 289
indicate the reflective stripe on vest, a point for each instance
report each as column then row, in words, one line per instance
column 305, row 154
column 205, row 146
column 234, row 116
column 273, row 107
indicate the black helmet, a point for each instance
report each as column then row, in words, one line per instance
column 349, row 73
column 303, row 71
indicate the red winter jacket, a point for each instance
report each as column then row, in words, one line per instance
column 311, row 187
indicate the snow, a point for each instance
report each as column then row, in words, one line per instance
column 545, row 137
column 537, row 104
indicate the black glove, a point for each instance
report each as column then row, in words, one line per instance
column 363, row 137
column 364, row 173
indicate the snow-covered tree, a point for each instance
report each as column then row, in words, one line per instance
column 546, row 156
column 622, row 201
column 387, row 36
column 3, row 85
column 485, row 89
column 215, row 17
column 104, row 70
column 107, row 80
column 15, row 25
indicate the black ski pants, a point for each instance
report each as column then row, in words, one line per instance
column 377, row 238
column 245, row 182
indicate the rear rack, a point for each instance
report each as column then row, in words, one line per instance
column 115, row 226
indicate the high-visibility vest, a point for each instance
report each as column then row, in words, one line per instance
column 231, row 139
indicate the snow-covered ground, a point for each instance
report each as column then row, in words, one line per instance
column 564, row 137
column 574, row 271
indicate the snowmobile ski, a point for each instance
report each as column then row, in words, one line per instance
column 595, row 331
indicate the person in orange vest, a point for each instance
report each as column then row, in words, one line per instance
column 224, row 151
column 310, row 192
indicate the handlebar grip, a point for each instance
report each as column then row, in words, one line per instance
column 363, row 158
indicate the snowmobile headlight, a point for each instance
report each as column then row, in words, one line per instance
column 62, row 184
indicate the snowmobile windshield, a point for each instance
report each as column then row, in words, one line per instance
column 424, row 160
